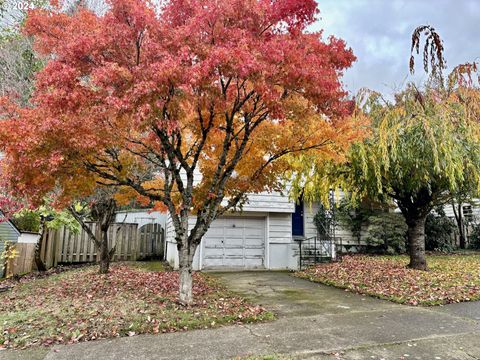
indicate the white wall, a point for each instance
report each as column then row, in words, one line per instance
column 171, row 244
column 309, row 212
column 281, row 247
column 141, row 217
column 28, row 238
column 261, row 202
column 269, row 202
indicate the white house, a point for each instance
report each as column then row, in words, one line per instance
column 260, row 237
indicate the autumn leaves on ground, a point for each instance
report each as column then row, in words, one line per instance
column 140, row 298
column 450, row 279
column 79, row 305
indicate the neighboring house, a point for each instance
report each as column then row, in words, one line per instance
column 262, row 236
column 8, row 232
column 469, row 210
column 141, row 217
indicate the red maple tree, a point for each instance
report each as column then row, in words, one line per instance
column 147, row 98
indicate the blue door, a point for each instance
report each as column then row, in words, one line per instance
column 297, row 219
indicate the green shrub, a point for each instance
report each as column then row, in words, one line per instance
column 438, row 232
column 474, row 238
column 383, row 231
column 27, row 220
column 386, row 233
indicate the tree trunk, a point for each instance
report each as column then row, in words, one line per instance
column 38, row 247
column 104, row 253
column 416, row 243
column 38, row 259
column 185, row 255
column 103, row 210
column 461, row 226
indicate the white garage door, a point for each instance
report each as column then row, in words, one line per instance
column 235, row 243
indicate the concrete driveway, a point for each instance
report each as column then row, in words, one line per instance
column 314, row 322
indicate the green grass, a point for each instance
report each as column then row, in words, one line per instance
column 265, row 357
column 154, row 265
column 80, row 305
column 450, row 278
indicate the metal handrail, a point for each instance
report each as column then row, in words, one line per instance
column 318, row 245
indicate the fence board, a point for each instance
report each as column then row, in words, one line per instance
column 76, row 240
column 91, row 246
column 24, row 261
column 132, row 243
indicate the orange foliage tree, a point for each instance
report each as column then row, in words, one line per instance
column 190, row 106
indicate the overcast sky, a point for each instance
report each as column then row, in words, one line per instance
column 379, row 32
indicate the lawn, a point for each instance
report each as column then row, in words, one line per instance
column 450, row 279
column 80, row 305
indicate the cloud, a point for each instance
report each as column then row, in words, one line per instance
column 379, row 32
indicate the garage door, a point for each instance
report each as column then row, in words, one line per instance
column 235, row 243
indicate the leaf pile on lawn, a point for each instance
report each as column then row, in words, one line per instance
column 80, row 305
column 450, row 279
column 15, row 280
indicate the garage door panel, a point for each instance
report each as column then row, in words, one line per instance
column 254, row 232
column 215, row 252
column 234, row 263
column 234, row 252
column 254, row 263
column 235, row 243
column 216, row 262
column 216, row 232
column 214, row 242
column 235, row 232
column 254, row 242
column 253, row 253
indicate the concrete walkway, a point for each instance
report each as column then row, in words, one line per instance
column 314, row 322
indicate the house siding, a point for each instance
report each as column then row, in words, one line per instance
column 282, row 250
column 309, row 212
column 475, row 209
column 258, row 202
column 171, row 244
column 7, row 233
column 269, row 202
column 280, row 228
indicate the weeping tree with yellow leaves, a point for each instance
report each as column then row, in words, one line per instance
column 423, row 147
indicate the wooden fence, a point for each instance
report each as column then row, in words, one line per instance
column 23, row 263
column 131, row 243
column 151, row 241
